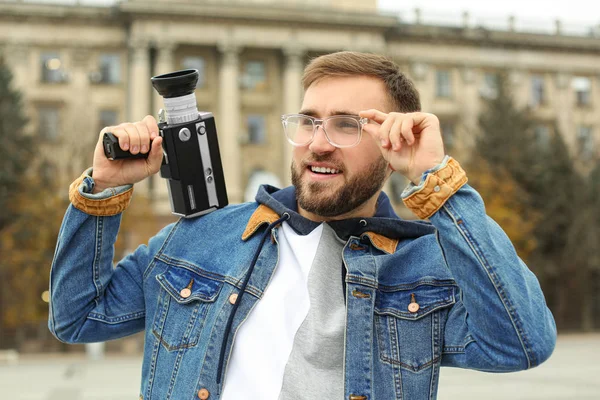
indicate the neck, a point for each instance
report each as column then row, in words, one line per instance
column 366, row 210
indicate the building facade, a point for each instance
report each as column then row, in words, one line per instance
column 81, row 68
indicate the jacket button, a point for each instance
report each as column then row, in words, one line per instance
column 357, row 397
column 413, row 307
column 233, row 298
column 185, row 293
column 203, row 394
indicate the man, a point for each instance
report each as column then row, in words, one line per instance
column 316, row 291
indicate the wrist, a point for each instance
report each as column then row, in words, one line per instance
column 99, row 183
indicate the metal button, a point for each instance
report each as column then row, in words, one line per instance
column 357, row 397
column 203, row 394
column 187, row 291
column 413, row 307
column 233, row 298
column 436, row 188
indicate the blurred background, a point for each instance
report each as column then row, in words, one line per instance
column 516, row 86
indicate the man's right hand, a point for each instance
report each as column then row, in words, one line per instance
column 137, row 137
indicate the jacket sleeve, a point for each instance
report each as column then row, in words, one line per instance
column 500, row 322
column 90, row 299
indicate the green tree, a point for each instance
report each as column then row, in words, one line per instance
column 16, row 148
column 553, row 193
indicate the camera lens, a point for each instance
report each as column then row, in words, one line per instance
column 176, row 84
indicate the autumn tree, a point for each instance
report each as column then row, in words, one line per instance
column 553, row 193
column 33, row 200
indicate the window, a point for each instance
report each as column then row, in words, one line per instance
column 538, row 93
column 199, row 63
column 48, row 122
column 254, row 76
column 443, row 83
column 256, row 128
column 489, row 89
column 541, row 135
column 107, row 118
column 583, row 90
column 447, row 129
column 585, row 142
column 110, row 68
column 51, row 68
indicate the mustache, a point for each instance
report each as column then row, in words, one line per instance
column 322, row 158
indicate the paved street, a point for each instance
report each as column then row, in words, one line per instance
column 571, row 374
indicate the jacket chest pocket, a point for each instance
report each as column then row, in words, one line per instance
column 409, row 324
column 183, row 302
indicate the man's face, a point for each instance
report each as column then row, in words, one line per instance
column 360, row 171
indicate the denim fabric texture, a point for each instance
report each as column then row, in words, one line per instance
column 479, row 306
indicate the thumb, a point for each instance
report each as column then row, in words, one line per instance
column 156, row 154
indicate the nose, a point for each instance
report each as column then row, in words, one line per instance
column 320, row 144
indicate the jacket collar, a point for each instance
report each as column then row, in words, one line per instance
column 385, row 229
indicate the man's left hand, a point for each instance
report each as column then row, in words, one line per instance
column 411, row 143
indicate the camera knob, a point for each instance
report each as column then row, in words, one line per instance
column 202, row 129
column 185, row 134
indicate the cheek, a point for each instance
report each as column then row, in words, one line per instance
column 363, row 156
column 298, row 154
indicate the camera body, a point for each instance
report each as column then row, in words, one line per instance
column 192, row 166
column 191, row 157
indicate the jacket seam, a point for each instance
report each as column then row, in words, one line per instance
column 97, row 256
column 190, row 267
column 160, row 251
column 116, row 319
column 436, row 283
column 491, row 276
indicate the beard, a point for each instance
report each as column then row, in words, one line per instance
column 355, row 192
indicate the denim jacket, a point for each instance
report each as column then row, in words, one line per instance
column 452, row 292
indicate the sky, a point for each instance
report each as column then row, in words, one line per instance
column 572, row 13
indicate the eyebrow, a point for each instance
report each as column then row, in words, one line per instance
column 315, row 114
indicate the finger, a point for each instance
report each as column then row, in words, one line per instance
column 395, row 137
column 134, row 137
column 373, row 114
column 407, row 131
column 384, row 131
column 151, row 126
column 120, row 134
column 156, row 155
column 144, row 137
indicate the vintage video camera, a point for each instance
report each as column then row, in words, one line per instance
column 191, row 160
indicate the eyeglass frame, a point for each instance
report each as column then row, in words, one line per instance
column 319, row 122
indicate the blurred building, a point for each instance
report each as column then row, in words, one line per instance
column 84, row 67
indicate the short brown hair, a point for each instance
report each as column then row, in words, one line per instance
column 403, row 94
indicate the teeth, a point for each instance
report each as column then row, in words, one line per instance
column 324, row 170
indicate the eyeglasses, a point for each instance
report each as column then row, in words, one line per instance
column 340, row 130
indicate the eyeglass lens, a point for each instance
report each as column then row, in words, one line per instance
column 341, row 131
